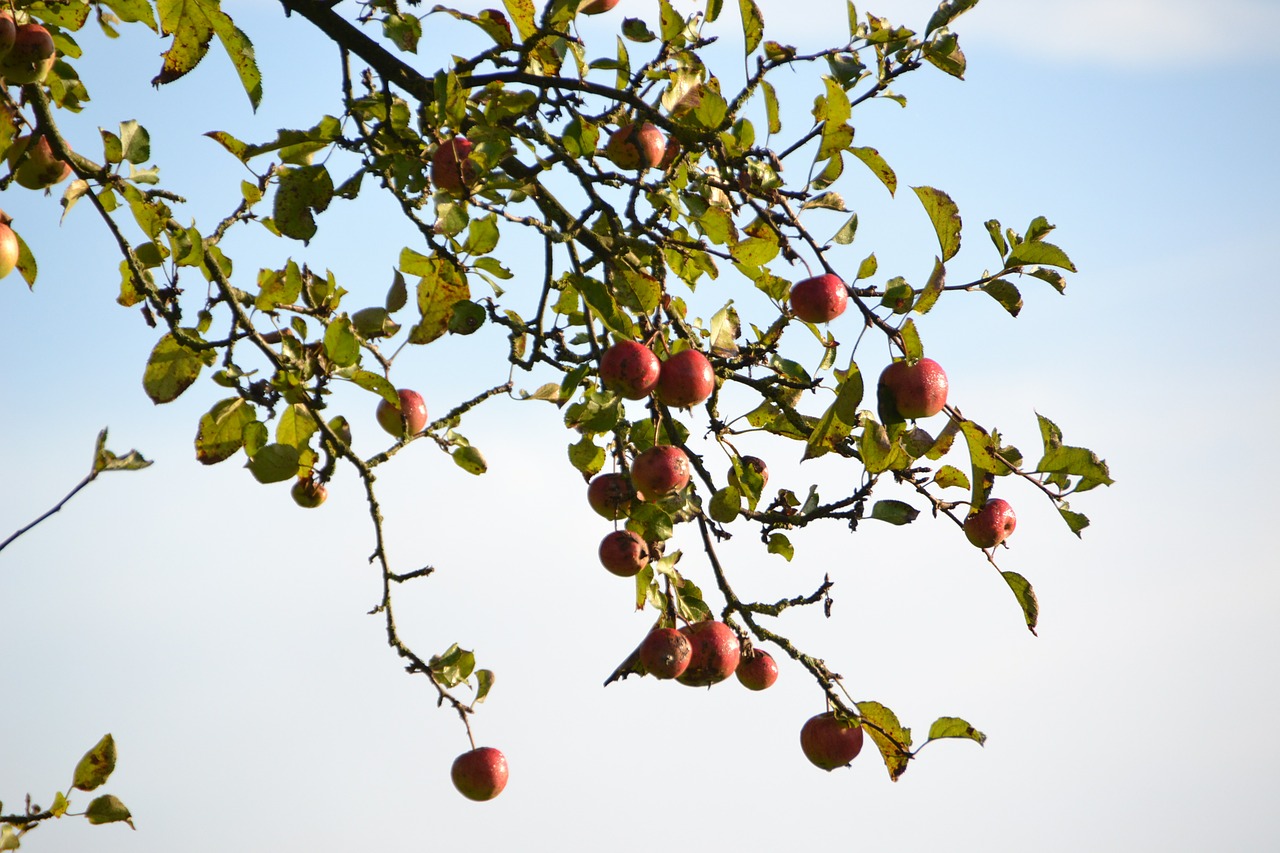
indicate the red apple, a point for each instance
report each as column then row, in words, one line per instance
column 631, row 369
column 8, row 30
column 30, row 57
column 686, row 379
column 624, row 553
column 34, row 164
column 611, row 495
column 820, row 299
column 715, row 654
column 670, row 154
column 660, row 470
column 480, row 774
column 635, row 146
column 308, row 493
column 409, row 418
column 665, row 653
column 912, row 390
column 596, row 7
column 9, row 249
column 990, row 525
column 830, row 742
column 757, row 671
column 451, row 168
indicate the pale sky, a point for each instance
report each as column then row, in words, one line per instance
column 220, row 633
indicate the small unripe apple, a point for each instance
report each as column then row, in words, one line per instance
column 636, row 146
column 830, row 742
column 9, row 250
column 451, row 166
column 715, row 655
column 611, row 495
column 596, row 7
column 7, row 32
column 686, row 379
column 408, row 418
column 660, row 470
column 34, row 164
column 820, row 299
column 624, row 553
column 631, row 369
column 992, row 524
column 30, row 57
column 480, row 774
column 308, row 493
column 757, row 671
column 665, row 653
column 912, row 390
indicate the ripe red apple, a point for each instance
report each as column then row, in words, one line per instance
column 34, row 164
column 480, row 774
column 912, row 390
column 830, row 742
column 686, row 379
column 30, row 57
column 7, row 32
column 624, row 553
column 757, row 671
column 611, row 495
column 630, row 368
column 596, row 7
column 451, row 166
column 9, row 249
column 660, row 470
column 409, row 418
column 992, row 524
column 636, row 146
column 820, row 299
column 669, row 154
column 715, row 655
column 665, row 653
column 308, row 493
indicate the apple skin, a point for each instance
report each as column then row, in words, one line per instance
column 596, row 7
column 665, row 653
column 820, row 299
column 34, row 164
column 829, row 742
column 8, row 30
column 412, row 411
column 635, row 146
column 660, row 470
column 992, row 524
column 757, row 671
column 480, row 774
column 451, row 168
column 716, row 653
column 631, row 369
column 309, row 494
column 912, row 390
column 9, row 250
column 611, row 495
column 30, row 57
column 686, row 379
column 624, row 553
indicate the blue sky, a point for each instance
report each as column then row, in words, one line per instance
column 220, row 632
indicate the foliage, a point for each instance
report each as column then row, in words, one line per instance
column 518, row 138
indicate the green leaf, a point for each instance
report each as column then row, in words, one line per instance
column 1026, row 597
column 948, row 11
column 134, row 142
column 482, row 235
column 890, row 737
column 404, row 31
column 484, row 683
column 453, row 667
column 172, row 368
column 932, row 289
column 894, row 512
column 1044, row 254
column 945, row 217
column 378, row 384
column 470, row 460
column 771, row 107
column 670, row 22
column 780, row 544
column 829, row 432
column 96, row 766
column 949, row 476
column 240, row 50
column 945, row 727
column 879, row 452
column 105, row 460
column 1055, row 278
column 868, row 267
column 913, row 349
column 997, row 236
column 945, row 54
column 221, row 430
column 752, row 24
column 1076, row 521
column 303, row 190
column 274, row 463
column 108, row 809
column 1006, row 293
column 585, row 455
column 443, row 284
column 131, row 11
column 190, row 24
column 1061, row 458
column 340, row 342
column 725, row 505
column 847, row 231
column 878, row 166
column 296, row 426
column 726, row 327
column 651, row 522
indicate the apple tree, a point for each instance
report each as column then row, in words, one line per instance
column 647, row 182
